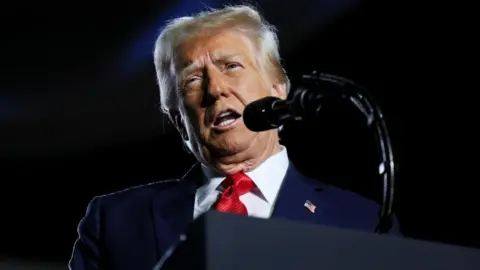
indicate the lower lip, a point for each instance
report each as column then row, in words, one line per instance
column 226, row 127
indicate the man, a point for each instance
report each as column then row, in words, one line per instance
column 209, row 68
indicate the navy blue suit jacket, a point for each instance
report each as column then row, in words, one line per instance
column 131, row 229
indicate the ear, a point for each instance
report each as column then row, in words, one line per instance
column 178, row 122
column 279, row 90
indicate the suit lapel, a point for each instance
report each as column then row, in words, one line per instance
column 172, row 208
column 298, row 192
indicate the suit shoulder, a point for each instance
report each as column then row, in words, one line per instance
column 348, row 199
column 136, row 193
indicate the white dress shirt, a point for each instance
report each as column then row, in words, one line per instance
column 268, row 178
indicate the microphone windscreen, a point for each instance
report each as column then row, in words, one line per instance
column 257, row 115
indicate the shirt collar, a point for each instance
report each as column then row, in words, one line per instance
column 268, row 177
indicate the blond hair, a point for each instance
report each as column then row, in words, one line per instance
column 244, row 19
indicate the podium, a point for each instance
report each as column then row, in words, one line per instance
column 220, row 241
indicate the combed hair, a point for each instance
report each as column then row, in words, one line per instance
column 244, row 19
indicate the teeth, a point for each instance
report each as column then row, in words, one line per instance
column 224, row 114
column 226, row 123
column 226, row 119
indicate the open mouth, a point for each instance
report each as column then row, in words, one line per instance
column 226, row 119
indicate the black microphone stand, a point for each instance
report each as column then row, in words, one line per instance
column 363, row 101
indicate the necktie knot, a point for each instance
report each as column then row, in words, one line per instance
column 238, row 183
column 235, row 185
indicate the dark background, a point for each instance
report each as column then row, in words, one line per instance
column 79, row 111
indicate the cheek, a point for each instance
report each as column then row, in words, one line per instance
column 194, row 117
column 253, row 88
column 274, row 93
column 192, row 99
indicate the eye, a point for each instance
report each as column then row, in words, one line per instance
column 191, row 80
column 232, row 66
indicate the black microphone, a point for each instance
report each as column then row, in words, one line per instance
column 271, row 112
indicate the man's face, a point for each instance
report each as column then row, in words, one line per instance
column 218, row 75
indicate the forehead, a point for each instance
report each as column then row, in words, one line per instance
column 219, row 44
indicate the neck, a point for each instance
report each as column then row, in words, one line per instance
column 248, row 160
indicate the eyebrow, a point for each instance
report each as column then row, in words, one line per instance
column 194, row 65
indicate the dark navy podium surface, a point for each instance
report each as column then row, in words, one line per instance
column 219, row 241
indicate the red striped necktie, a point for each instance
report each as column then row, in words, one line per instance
column 235, row 186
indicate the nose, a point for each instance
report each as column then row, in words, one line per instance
column 216, row 84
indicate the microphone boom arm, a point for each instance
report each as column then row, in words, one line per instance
column 365, row 103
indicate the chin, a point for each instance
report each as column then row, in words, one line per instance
column 230, row 146
column 229, row 150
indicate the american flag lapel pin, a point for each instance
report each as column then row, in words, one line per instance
column 310, row 206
